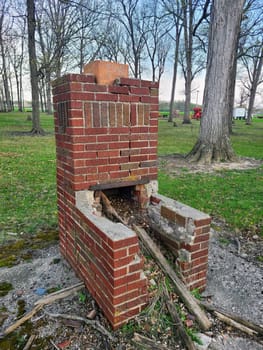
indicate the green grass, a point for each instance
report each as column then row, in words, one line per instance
column 246, row 140
column 27, row 176
column 235, row 196
column 28, row 180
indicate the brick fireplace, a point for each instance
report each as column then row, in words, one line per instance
column 106, row 139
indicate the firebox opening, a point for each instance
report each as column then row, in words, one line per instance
column 120, row 204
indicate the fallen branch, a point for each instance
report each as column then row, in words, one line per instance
column 108, row 208
column 61, row 294
column 55, row 346
column 187, row 341
column 180, row 288
column 29, row 342
column 95, row 324
column 239, row 322
column 234, row 324
column 147, row 343
column 44, row 301
column 22, row 320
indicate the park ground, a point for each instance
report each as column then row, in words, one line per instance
column 231, row 193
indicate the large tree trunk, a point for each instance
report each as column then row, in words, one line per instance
column 31, row 23
column 214, row 142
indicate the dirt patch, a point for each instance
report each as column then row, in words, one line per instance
column 176, row 164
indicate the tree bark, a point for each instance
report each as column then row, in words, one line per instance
column 214, row 141
column 31, row 23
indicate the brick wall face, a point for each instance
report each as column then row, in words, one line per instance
column 104, row 134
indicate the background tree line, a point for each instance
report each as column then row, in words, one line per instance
column 148, row 35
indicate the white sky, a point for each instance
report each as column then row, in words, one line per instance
column 165, row 89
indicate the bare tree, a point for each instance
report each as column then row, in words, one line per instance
column 250, row 29
column 92, row 32
column 56, row 26
column 243, row 97
column 191, row 58
column 174, row 11
column 131, row 15
column 157, row 41
column 17, row 57
column 4, row 27
column 31, row 24
column 214, row 142
column 113, row 47
column 253, row 65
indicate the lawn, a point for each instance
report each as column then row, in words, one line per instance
column 28, row 179
column 234, row 196
column 27, row 176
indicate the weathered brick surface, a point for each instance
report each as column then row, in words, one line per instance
column 94, row 111
column 191, row 246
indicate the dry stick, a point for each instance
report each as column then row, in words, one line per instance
column 29, row 342
column 246, row 324
column 61, row 294
column 109, row 208
column 233, row 323
column 22, row 320
column 43, row 301
column 187, row 341
column 180, row 288
column 95, row 324
column 55, row 346
column 146, row 343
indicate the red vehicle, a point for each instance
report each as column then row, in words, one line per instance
column 197, row 113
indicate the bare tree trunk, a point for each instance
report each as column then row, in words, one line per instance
column 256, row 76
column 232, row 87
column 171, row 106
column 214, row 142
column 188, row 43
column 18, row 91
column 188, row 83
column 5, row 78
column 175, row 67
column 20, row 101
column 11, row 91
column 2, row 105
column 41, row 96
column 31, row 23
column 49, row 109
